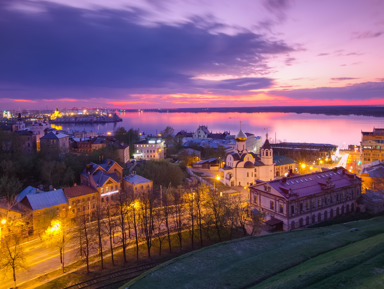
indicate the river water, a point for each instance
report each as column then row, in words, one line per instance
column 291, row 127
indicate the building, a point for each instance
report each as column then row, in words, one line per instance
column 372, row 175
column 201, row 132
column 149, row 149
column 303, row 200
column 45, row 206
column 306, row 152
column 55, row 142
column 244, row 168
column 373, row 202
column 105, row 178
column 137, row 184
column 38, row 128
column 82, row 200
column 372, row 145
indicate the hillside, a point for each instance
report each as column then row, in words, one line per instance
column 349, row 255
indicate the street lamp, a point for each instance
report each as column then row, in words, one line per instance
column 214, row 182
column 3, row 221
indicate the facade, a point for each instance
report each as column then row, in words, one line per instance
column 372, row 145
column 244, row 168
column 38, row 129
column 306, row 152
column 150, row 149
column 137, row 184
column 45, row 206
column 105, row 178
column 55, row 142
column 303, row 200
column 82, row 200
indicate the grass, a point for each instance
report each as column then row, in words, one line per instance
column 345, row 255
column 79, row 274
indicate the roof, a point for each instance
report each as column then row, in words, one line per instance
column 373, row 196
column 282, row 160
column 77, row 191
column 248, row 165
column 204, row 129
column 102, row 177
column 374, row 169
column 150, row 141
column 53, row 135
column 241, row 136
column 43, row 200
column 136, row 179
column 27, row 191
column 266, row 145
column 310, row 184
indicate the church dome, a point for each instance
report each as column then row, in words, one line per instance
column 241, row 136
column 248, row 165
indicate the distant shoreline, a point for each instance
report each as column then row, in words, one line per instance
column 376, row 111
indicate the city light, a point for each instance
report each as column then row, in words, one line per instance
column 3, row 221
column 218, row 178
column 303, row 166
column 311, row 168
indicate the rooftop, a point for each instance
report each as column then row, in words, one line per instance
column 77, row 191
column 305, row 185
column 43, row 200
column 136, row 179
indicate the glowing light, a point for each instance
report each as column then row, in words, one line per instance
column 218, row 178
column 56, row 114
column 109, row 133
column 109, row 193
column 311, row 168
column 321, row 162
column 3, row 221
column 303, row 166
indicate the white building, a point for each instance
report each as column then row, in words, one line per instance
column 244, row 168
column 201, row 132
column 149, row 149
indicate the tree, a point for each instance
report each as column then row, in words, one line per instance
column 146, row 218
column 123, row 211
column 99, row 217
column 56, row 236
column 167, row 135
column 11, row 252
column 189, row 200
column 178, row 213
column 110, row 227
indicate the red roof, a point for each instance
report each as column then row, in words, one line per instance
column 78, row 191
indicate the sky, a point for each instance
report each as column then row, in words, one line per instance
column 191, row 53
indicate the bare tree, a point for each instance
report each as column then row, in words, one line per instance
column 122, row 212
column 178, row 213
column 11, row 252
column 189, row 200
column 85, row 243
column 159, row 222
column 110, row 230
column 99, row 218
column 146, row 218
column 57, row 236
column 167, row 211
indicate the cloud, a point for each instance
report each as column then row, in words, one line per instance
column 343, row 78
column 366, row 34
column 66, row 48
column 360, row 91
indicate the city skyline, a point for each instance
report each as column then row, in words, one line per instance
column 190, row 54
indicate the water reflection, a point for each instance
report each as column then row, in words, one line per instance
column 339, row 130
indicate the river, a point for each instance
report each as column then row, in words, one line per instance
column 292, row 127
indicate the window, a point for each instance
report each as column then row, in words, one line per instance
column 292, row 210
column 281, row 209
column 301, row 207
column 101, row 190
column 272, row 205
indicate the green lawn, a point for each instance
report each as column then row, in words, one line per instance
column 347, row 255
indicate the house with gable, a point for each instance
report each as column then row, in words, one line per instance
column 105, row 178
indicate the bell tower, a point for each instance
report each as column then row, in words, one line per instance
column 266, row 152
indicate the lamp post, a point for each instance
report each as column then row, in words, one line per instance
column 214, row 182
column 3, row 222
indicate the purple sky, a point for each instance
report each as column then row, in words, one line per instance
column 196, row 53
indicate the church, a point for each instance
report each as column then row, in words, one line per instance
column 243, row 168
